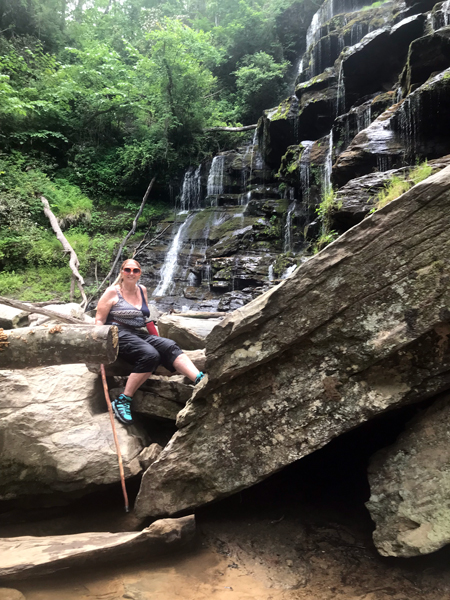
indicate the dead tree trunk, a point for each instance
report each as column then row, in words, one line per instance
column 41, row 311
column 244, row 128
column 57, row 345
column 74, row 263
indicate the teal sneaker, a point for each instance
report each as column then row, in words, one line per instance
column 122, row 409
column 199, row 378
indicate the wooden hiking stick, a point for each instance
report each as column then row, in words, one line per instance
column 116, row 441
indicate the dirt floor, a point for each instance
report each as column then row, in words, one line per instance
column 276, row 557
column 303, row 534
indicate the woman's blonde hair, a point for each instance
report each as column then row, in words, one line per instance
column 118, row 279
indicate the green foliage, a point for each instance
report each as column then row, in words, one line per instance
column 325, row 209
column 38, row 284
column 398, row 185
column 98, row 97
column 375, row 4
column 420, row 172
column 259, row 82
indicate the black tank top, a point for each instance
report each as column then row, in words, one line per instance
column 125, row 314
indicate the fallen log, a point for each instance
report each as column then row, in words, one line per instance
column 32, row 308
column 243, row 128
column 57, row 345
column 27, row 556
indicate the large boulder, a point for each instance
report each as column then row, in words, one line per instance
column 72, row 309
column 188, row 333
column 410, row 485
column 357, row 198
column 12, row 318
column 335, row 344
column 159, row 397
column 55, row 433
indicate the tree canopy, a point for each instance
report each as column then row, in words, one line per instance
column 99, row 96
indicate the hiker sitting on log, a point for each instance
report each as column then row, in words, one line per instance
column 125, row 304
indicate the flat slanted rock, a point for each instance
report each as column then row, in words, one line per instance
column 336, row 343
column 28, row 556
column 410, row 486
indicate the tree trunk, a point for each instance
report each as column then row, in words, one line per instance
column 32, row 308
column 244, row 128
column 57, row 345
column 74, row 263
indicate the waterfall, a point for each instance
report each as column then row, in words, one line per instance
column 171, row 262
column 340, row 99
column 191, row 192
column 288, row 271
column 363, row 116
column 288, row 228
column 215, row 176
column 446, row 12
column 270, row 273
column 409, row 124
column 327, row 167
column 305, row 171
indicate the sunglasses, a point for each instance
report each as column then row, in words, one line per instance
column 128, row 270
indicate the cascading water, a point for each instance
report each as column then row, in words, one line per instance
column 170, row 265
column 191, row 192
column 215, row 176
column 363, row 116
column 288, row 228
column 340, row 99
column 446, row 12
column 305, row 172
column 327, row 168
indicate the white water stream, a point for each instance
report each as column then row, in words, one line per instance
column 171, row 261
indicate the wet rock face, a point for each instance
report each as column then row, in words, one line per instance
column 417, row 127
column 332, row 346
column 410, row 484
column 426, row 56
column 385, row 50
column 358, row 197
column 306, row 116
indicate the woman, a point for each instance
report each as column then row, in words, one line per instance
column 125, row 304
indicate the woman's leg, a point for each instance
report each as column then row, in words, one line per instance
column 174, row 359
column 184, row 365
column 134, row 382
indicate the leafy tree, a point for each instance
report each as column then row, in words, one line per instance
column 259, row 81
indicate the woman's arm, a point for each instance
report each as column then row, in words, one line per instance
column 104, row 305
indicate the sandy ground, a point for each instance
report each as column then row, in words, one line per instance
column 303, row 534
column 262, row 557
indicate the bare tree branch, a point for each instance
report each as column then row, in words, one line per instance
column 41, row 311
column 129, row 234
column 138, row 249
column 74, row 263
